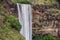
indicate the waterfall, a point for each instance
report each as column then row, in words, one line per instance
column 25, row 19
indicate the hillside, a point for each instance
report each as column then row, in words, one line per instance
column 9, row 26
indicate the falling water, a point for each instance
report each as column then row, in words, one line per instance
column 25, row 19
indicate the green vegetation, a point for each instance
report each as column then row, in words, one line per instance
column 9, row 26
column 14, row 22
column 21, row 1
column 44, row 2
column 45, row 37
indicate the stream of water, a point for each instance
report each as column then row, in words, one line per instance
column 25, row 19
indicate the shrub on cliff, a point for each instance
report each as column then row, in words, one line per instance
column 45, row 37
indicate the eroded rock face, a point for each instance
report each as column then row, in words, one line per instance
column 46, row 19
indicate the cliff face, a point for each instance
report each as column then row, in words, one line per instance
column 46, row 19
column 46, row 16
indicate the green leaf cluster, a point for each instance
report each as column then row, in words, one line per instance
column 45, row 37
column 21, row 1
column 14, row 22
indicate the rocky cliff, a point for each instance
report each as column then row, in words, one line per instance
column 46, row 19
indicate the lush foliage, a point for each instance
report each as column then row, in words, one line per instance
column 9, row 26
column 45, row 37
column 21, row 1
column 14, row 22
